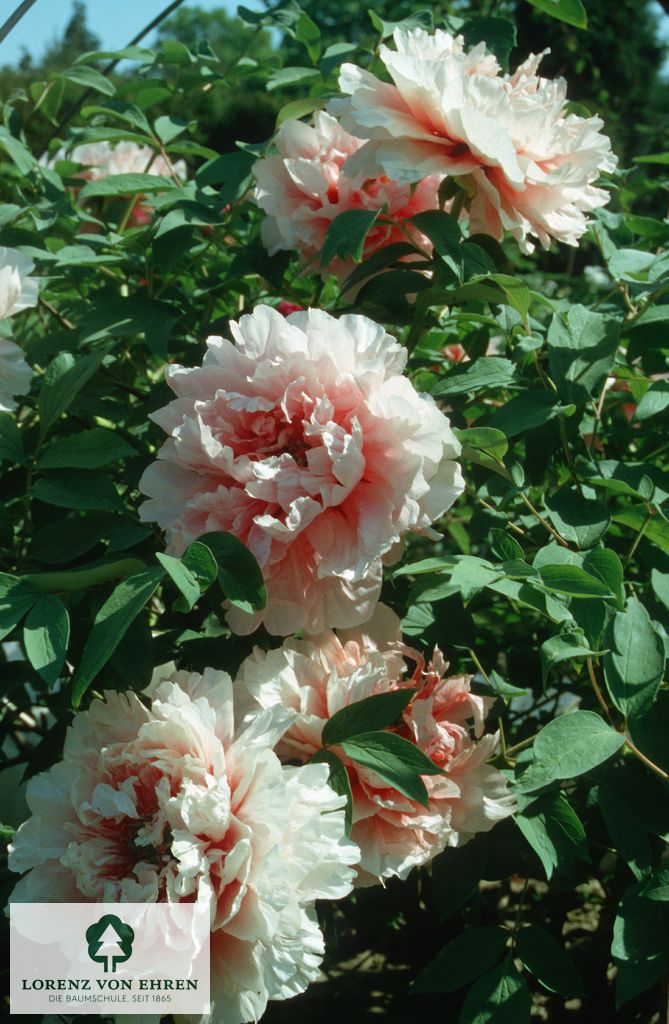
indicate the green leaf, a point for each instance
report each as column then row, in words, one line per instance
column 339, row 781
column 239, row 574
column 137, row 314
column 501, row 688
column 499, row 35
column 577, row 519
column 91, row 449
column 63, row 380
column 655, row 401
column 292, row 76
column 11, row 442
column 571, row 745
column 70, row 488
column 346, row 235
column 201, row 563
column 581, row 352
column 634, row 666
column 498, row 997
column 395, row 759
column 182, row 577
column 126, row 185
column 366, row 715
column 503, row 546
column 111, row 624
column 46, row 634
column 527, row 412
column 554, row 831
column 456, row 874
column 626, row 829
column 89, row 78
column 572, row 581
column 605, row 564
column 570, row 11
column 16, row 599
column 485, row 372
column 548, row 962
column 656, row 530
column 562, row 647
column 169, row 128
column 485, row 439
column 230, row 171
column 463, row 959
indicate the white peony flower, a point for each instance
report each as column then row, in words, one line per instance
column 317, row 678
column 302, row 189
column 18, row 291
column 528, row 163
column 179, row 801
column 306, row 442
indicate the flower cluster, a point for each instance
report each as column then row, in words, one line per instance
column 182, row 801
column 18, row 291
column 306, row 442
column 303, row 189
column 523, row 163
column 316, row 678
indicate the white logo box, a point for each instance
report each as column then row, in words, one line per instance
column 109, row 958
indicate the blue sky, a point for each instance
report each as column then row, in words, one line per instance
column 115, row 22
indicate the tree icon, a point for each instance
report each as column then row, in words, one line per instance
column 110, row 941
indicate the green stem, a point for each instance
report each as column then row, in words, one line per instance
column 82, row 579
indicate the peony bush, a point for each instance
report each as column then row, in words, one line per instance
column 335, row 560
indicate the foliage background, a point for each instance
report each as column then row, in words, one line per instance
column 552, row 582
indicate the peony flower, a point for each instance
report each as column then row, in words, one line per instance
column 18, row 291
column 102, row 159
column 179, row 802
column 527, row 165
column 316, row 678
column 306, row 442
column 303, row 189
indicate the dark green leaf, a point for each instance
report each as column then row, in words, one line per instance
column 499, row 35
column 634, row 666
column 548, row 962
column 581, row 352
column 239, row 574
column 182, row 577
column 463, row 960
column 63, row 380
column 398, row 761
column 46, row 634
column 110, row 625
column 366, row 715
column 572, row 581
column 498, row 997
column 579, row 520
column 570, row 11
column 346, row 235
column 485, row 372
column 527, row 412
column 126, row 185
column 91, row 449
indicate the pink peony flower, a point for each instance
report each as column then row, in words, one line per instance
column 178, row 802
column 307, row 443
column 527, row 163
column 102, row 159
column 303, row 189
column 18, row 291
column 317, row 678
